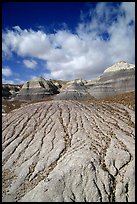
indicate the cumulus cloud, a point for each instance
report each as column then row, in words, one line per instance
column 31, row 64
column 6, row 71
column 26, row 42
column 106, row 37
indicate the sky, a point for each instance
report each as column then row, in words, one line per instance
column 65, row 40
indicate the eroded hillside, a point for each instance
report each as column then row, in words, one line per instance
column 69, row 151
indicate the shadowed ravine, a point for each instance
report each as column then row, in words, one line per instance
column 69, row 151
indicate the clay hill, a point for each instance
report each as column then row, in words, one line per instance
column 74, row 90
column 119, row 78
column 68, row 149
column 36, row 89
column 10, row 90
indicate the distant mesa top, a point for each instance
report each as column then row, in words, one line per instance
column 121, row 65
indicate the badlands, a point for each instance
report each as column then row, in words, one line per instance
column 76, row 146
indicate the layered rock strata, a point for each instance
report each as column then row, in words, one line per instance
column 36, row 89
column 119, row 78
column 74, row 90
column 9, row 90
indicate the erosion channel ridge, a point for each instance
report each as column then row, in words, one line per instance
column 69, row 152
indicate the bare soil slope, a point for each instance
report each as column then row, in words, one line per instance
column 69, row 151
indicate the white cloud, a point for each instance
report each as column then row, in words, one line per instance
column 129, row 8
column 15, row 81
column 6, row 71
column 5, row 81
column 30, row 63
column 19, row 81
column 84, row 54
column 26, row 42
column 32, row 77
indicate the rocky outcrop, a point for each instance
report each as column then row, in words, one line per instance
column 121, row 65
column 37, row 89
column 74, row 90
column 6, row 91
column 9, row 90
column 68, row 151
column 119, row 78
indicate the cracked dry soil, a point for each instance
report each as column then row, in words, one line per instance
column 68, row 151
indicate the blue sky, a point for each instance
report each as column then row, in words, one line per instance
column 65, row 40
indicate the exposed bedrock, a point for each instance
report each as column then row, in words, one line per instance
column 74, row 90
column 37, row 89
column 69, row 152
column 119, row 78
